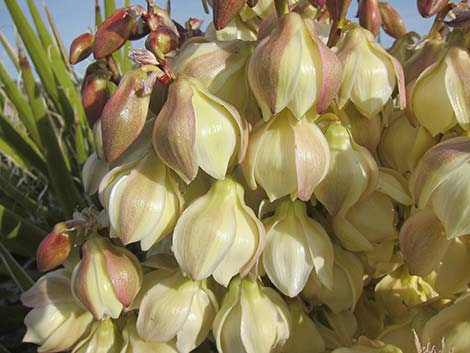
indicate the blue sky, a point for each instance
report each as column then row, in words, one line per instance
column 75, row 17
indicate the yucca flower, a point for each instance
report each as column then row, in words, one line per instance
column 370, row 74
column 251, row 319
column 286, row 156
column 296, row 245
column 104, row 337
column 218, row 235
column 293, row 69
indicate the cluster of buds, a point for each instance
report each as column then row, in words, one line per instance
column 288, row 190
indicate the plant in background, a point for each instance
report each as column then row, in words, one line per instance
column 282, row 195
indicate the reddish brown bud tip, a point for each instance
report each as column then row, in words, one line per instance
column 115, row 31
column 162, row 41
column 252, row 3
column 392, row 22
column 124, row 115
column 428, row 8
column 369, row 15
column 81, row 47
column 337, row 8
column 139, row 30
column 95, row 94
column 225, row 11
column 54, row 248
column 460, row 16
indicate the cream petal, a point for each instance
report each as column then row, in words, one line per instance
column 351, row 238
column 41, row 322
column 52, row 288
column 394, row 185
column 453, row 273
column 165, row 308
column 93, row 171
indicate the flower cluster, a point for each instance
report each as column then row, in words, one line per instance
column 281, row 193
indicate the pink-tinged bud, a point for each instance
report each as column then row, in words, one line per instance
column 55, row 247
column 81, row 47
column 107, row 278
column 124, row 114
column 428, row 8
column 392, row 22
column 162, row 40
column 115, row 31
column 225, row 11
column 95, row 94
column 337, row 8
column 369, row 15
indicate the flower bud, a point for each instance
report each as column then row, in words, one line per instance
column 295, row 245
column 95, row 94
column 81, row 47
column 134, row 344
column 440, row 181
column 460, row 16
column 352, row 175
column 196, row 129
column 225, row 11
column 286, row 156
column 56, row 323
column 440, row 96
column 428, row 8
column 370, row 74
column 218, row 235
column 55, row 248
column 143, row 201
column 252, row 319
column 304, row 336
column 176, row 307
column 337, row 9
column 292, row 68
column 104, row 338
column 162, row 40
column 237, row 29
column 93, row 172
column 403, row 145
column 426, row 249
column 369, row 15
column 451, row 326
column 392, row 22
column 107, row 278
column 113, row 32
column 124, row 114
column 347, row 283
column 412, row 290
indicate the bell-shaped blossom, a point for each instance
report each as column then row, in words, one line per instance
column 295, row 245
column 195, row 129
column 286, row 156
column 218, row 235
column 252, row 319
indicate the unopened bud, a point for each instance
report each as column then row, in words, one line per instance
column 428, row 8
column 124, row 114
column 162, row 40
column 55, row 247
column 139, row 30
column 81, row 47
column 369, row 15
column 225, row 11
column 460, row 16
column 113, row 32
column 392, row 22
column 337, row 8
column 95, row 94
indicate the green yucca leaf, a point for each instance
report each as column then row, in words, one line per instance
column 61, row 180
column 98, row 15
column 17, row 273
column 10, row 51
column 17, row 99
column 18, row 234
column 17, row 146
column 109, row 7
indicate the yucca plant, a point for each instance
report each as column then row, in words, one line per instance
column 44, row 142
